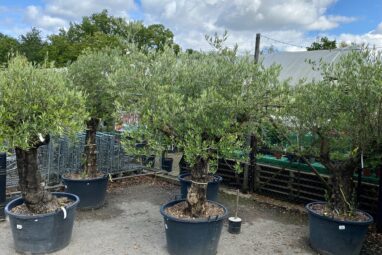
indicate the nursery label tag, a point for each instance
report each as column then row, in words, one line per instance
column 19, row 226
column 341, row 227
column 165, row 225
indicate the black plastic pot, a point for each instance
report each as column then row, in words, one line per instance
column 92, row 192
column 234, row 225
column 3, row 177
column 167, row 164
column 212, row 187
column 192, row 236
column 43, row 233
column 331, row 236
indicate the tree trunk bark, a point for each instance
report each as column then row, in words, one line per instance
column 36, row 198
column 197, row 194
column 91, row 148
column 341, row 180
column 342, row 188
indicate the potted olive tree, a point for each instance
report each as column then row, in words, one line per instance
column 90, row 75
column 344, row 114
column 35, row 103
column 202, row 104
column 94, row 73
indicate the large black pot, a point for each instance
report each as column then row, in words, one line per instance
column 92, row 192
column 192, row 236
column 331, row 236
column 212, row 187
column 43, row 233
column 3, row 177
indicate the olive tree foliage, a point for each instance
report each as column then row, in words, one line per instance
column 204, row 104
column 91, row 74
column 344, row 113
column 35, row 103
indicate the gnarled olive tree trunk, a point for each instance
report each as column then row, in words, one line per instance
column 197, row 194
column 36, row 198
column 341, row 180
column 91, row 148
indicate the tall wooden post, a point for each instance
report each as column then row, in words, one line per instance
column 257, row 48
column 249, row 170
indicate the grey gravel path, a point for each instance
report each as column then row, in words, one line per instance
column 130, row 224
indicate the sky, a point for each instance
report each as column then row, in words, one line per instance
column 287, row 25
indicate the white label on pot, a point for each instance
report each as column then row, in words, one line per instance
column 18, row 226
column 341, row 227
column 36, row 220
column 165, row 225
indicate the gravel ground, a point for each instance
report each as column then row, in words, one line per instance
column 130, row 223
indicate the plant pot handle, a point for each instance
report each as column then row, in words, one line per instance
column 64, row 210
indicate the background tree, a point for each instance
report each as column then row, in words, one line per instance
column 8, row 45
column 344, row 114
column 101, row 30
column 323, row 44
column 33, row 46
column 35, row 103
column 156, row 37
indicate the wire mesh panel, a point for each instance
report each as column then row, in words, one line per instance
column 63, row 155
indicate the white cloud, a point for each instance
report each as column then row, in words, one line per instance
column 192, row 19
column 58, row 13
column 35, row 15
column 378, row 30
column 370, row 39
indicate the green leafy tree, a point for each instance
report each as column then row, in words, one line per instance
column 203, row 104
column 101, row 30
column 323, row 44
column 156, row 37
column 33, row 46
column 8, row 46
column 62, row 50
column 344, row 114
column 35, row 103
column 91, row 75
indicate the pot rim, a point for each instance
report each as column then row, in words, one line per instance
column 310, row 211
column 192, row 221
column 37, row 216
column 217, row 178
column 104, row 176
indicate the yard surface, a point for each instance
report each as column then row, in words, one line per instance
column 130, row 223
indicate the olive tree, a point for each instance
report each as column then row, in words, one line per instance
column 35, row 103
column 92, row 74
column 343, row 112
column 204, row 104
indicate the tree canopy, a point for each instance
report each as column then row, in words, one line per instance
column 8, row 46
column 36, row 101
column 323, row 44
column 204, row 104
column 343, row 112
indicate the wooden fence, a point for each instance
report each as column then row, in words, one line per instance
column 291, row 184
